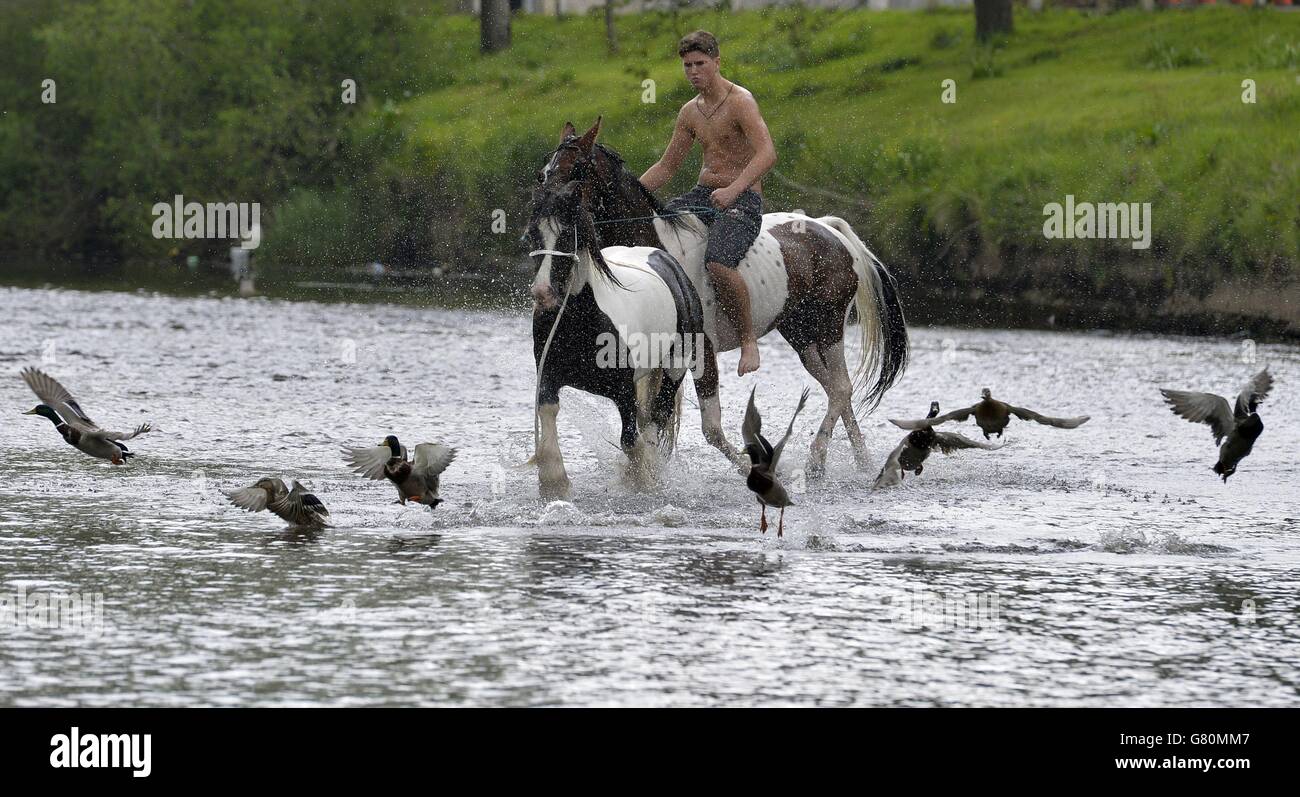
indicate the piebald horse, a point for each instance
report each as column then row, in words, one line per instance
column 802, row 273
column 622, row 322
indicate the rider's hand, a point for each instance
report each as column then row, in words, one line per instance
column 723, row 197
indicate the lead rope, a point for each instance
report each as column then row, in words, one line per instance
column 546, row 347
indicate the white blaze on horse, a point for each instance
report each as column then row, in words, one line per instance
column 623, row 323
column 803, row 275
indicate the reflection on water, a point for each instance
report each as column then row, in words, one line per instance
column 1099, row 566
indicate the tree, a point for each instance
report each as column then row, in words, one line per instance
column 494, row 25
column 611, row 36
column 992, row 17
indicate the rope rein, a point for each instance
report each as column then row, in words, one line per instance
column 686, row 212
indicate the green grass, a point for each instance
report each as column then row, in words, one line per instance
column 1137, row 107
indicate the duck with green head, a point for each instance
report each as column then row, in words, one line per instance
column 415, row 480
column 77, row 429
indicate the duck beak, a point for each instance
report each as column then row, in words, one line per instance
column 30, row 412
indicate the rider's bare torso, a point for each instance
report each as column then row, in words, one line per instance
column 725, row 147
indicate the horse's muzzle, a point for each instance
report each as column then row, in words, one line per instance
column 544, row 297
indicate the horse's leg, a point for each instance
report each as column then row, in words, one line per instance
column 842, row 385
column 811, row 358
column 553, row 482
column 706, row 390
column 640, row 453
column 663, row 417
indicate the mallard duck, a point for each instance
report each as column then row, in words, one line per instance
column 763, row 457
column 415, row 481
column 297, row 506
column 916, row 447
column 992, row 416
column 1240, row 424
column 78, row 430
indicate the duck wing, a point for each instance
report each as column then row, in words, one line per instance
column 50, row 392
column 432, row 459
column 892, row 472
column 1202, row 408
column 300, row 507
column 255, row 499
column 751, row 433
column 369, row 461
column 143, row 428
column 948, row 442
column 925, row 423
column 776, row 452
column 1253, row 393
column 1060, row 423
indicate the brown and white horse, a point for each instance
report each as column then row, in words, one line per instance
column 803, row 274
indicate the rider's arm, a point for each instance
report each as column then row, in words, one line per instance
column 755, row 129
column 680, row 145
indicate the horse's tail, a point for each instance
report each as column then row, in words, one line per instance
column 885, row 346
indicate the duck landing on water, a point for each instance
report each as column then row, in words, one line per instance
column 763, row 456
column 992, row 416
column 1241, row 424
column 415, row 480
column 910, row 455
column 296, row 507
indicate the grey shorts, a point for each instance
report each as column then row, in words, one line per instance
column 732, row 231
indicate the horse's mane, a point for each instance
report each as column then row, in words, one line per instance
column 625, row 180
column 546, row 203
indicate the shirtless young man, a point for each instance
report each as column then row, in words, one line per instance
column 738, row 151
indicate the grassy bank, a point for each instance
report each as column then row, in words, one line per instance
column 1127, row 107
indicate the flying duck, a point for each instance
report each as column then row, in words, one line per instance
column 297, row 506
column 415, row 480
column 992, row 416
column 910, row 455
column 78, row 430
column 1240, row 424
column 763, row 457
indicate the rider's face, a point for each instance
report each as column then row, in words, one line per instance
column 700, row 69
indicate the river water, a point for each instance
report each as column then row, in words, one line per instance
column 1101, row 566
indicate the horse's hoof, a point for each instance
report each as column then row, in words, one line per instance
column 555, row 491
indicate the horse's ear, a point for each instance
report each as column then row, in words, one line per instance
column 568, row 132
column 589, row 138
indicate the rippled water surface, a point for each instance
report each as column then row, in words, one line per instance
column 1100, row 566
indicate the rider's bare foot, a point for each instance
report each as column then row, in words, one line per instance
column 748, row 358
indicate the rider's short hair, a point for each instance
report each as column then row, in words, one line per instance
column 700, row 41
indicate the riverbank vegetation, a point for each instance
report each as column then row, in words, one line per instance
column 432, row 165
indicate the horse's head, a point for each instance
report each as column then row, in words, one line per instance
column 576, row 158
column 613, row 194
column 564, row 244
